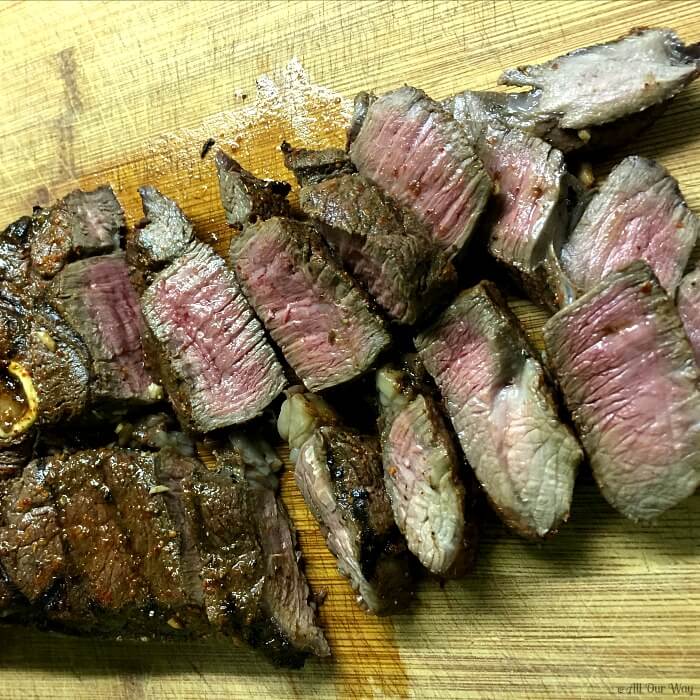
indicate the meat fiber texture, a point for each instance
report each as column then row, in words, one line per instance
column 210, row 349
column 246, row 198
column 501, row 406
column 339, row 473
column 384, row 247
column 411, row 148
column 601, row 83
column 313, row 166
column 95, row 295
column 80, row 225
column 423, row 476
column 526, row 217
column 638, row 214
column 689, row 308
column 630, row 381
column 312, row 309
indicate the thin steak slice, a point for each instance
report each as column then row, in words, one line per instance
column 339, row 473
column 97, row 298
column 602, row 83
column 630, row 380
column 689, row 308
column 78, row 226
column 526, row 217
column 311, row 167
column 639, row 214
column 310, row 306
column 412, row 148
column 214, row 360
column 246, row 198
column 423, row 474
column 503, row 410
column 384, row 247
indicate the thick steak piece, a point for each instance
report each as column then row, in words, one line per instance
column 97, row 298
column 311, row 167
column 526, row 217
column 311, row 307
column 246, row 198
column 599, row 84
column 423, row 475
column 689, row 308
column 502, row 408
column 384, row 247
column 80, row 225
column 414, row 150
column 339, row 473
column 630, row 380
column 638, row 214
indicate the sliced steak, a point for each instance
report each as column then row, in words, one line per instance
column 526, row 217
column 423, row 475
column 97, row 298
column 213, row 357
column 46, row 366
column 385, row 248
column 602, row 83
column 630, row 380
column 689, row 308
column 638, row 214
column 311, row 167
column 339, row 473
column 246, row 198
column 15, row 267
column 497, row 397
column 412, row 148
column 361, row 104
column 310, row 306
column 80, row 225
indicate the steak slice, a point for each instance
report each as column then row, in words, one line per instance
column 45, row 365
column 97, row 298
column 80, row 225
column 638, row 214
column 361, row 104
column 630, row 380
column 385, row 248
column 689, row 308
column 310, row 306
column 213, row 357
column 422, row 475
column 412, row 148
column 526, row 217
column 311, row 166
column 503, row 410
column 246, row 198
column 15, row 264
column 599, row 84
column 339, row 473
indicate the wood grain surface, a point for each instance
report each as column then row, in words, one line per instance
column 128, row 93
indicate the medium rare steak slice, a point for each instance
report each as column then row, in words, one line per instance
column 497, row 397
column 339, row 473
column 638, row 214
column 246, row 198
column 526, row 217
column 689, row 308
column 423, row 475
column 605, row 82
column 630, row 380
column 97, row 298
column 79, row 225
column 310, row 306
column 412, row 148
column 311, row 167
column 214, row 360
column 45, row 365
column 385, row 248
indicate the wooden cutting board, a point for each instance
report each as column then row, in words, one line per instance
column 128, row 93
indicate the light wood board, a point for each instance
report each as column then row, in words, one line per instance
column 127, row 93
